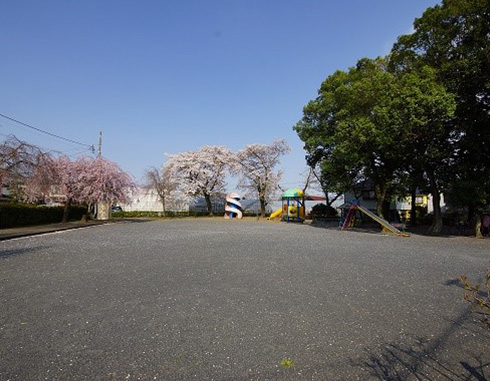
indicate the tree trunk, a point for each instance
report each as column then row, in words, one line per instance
column 66, row 210
column 436, row 227
column 477, row 220
column 386, row 208
column 209, row 204
column 262, row 206
column 162, row 199
column 413, row 207
column 380, row 200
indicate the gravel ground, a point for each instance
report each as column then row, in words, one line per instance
column 231, row 300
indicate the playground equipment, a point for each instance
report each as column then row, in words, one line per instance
column 276, row 214
column 293, row 205
column 349, row 220
column 233, row 207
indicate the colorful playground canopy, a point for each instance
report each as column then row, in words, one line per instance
column 292, row 193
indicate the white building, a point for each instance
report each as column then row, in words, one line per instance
column 144, row 200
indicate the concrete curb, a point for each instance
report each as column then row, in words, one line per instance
column 27, row 231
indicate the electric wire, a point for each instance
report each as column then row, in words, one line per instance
column 47, row 133
column 72, row 153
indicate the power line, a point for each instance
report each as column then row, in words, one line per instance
column 91, row 146
column 74, row 152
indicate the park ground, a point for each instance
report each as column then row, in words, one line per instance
column 239, row 300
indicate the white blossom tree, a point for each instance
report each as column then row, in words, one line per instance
column 256, row 164
column 163, row 184
column 202, row 172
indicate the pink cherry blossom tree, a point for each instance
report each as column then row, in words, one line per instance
column 84, row 180
column 255, row 165
column 202, row 172
column 54, row 177
column 99, row 180
column 39, row 185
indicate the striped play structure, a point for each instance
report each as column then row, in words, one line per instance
column 233, row 207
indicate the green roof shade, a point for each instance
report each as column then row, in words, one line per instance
column 293, row 192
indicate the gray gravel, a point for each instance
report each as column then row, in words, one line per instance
column 230, row 300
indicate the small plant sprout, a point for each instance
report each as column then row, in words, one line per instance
column 287, row 363
column 479, row 296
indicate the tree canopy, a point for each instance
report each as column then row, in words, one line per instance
column 454, row 39
column 369, row 122
column 202, row 172
column 256, row 165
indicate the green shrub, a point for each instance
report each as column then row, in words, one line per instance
column 13, row 215
column 323, row 211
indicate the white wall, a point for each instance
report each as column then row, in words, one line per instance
column 148, row 201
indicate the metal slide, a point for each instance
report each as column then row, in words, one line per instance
column 381, row 221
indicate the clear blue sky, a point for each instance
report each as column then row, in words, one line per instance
column 169, row 76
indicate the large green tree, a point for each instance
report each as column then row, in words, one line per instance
column 454, row 39
column 421, row 109
column 345, row 129
column 370, row 122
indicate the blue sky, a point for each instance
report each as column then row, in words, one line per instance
column 171, row 76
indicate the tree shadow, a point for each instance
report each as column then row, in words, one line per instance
column 456, row 282
column 374, row 228
column 368, row 228
column 24, row 250
column 421, row 358
column 418, row 361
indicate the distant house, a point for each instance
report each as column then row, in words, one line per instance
column 4, row 194
column 362, row 194
column 365, row 195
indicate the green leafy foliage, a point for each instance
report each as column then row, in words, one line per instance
column 372, row 123
column 417, row 119
column 323, row 211
column 453, row 39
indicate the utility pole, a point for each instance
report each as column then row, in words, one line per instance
column 99, row 153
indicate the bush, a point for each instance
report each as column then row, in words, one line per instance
column 13, row 215
column 323, row 211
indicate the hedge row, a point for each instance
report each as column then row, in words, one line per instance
column 170, row 214
column 14, row 215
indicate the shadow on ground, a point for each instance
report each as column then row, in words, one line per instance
column 373, row 228
column 421, row 358
column 400, row 362
column 14, row 252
